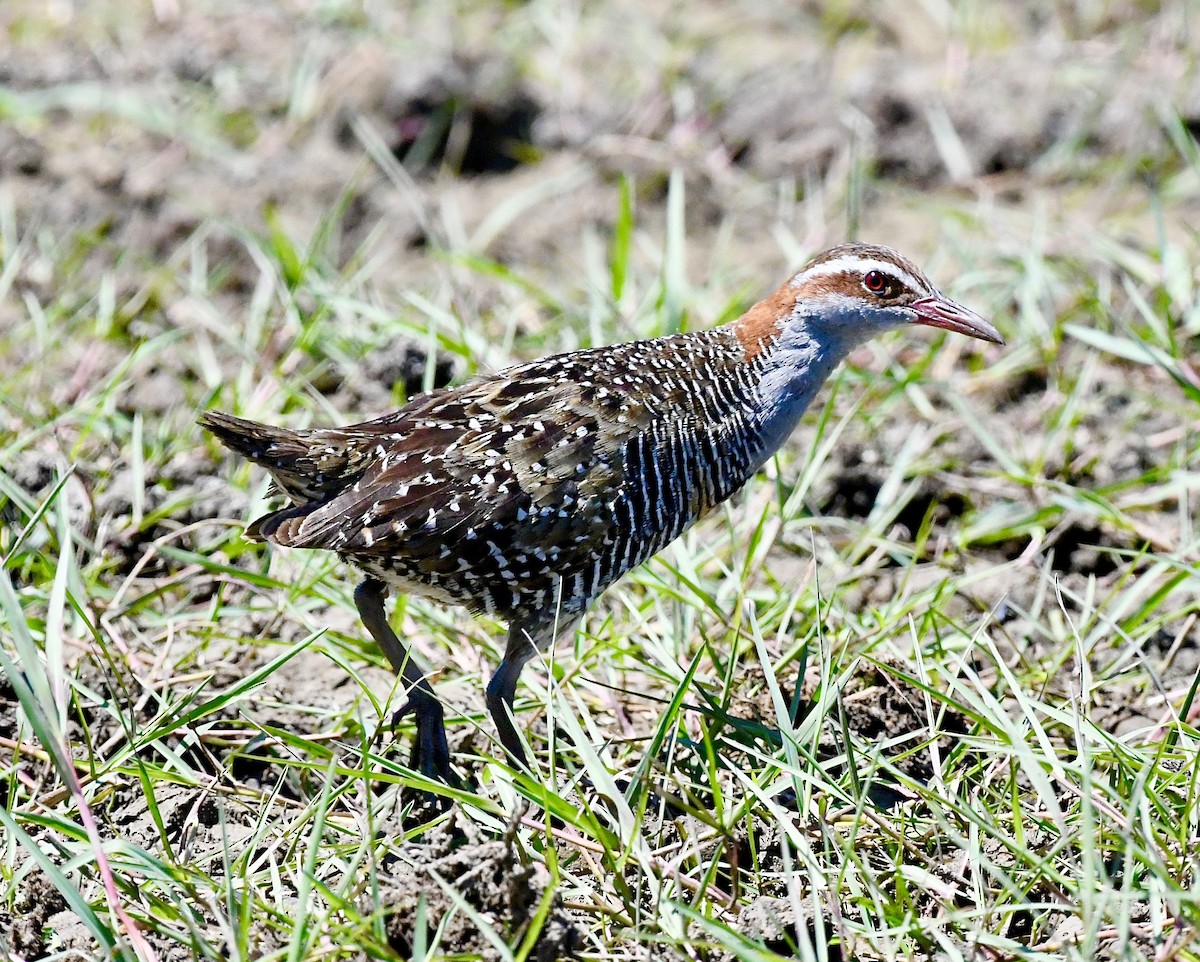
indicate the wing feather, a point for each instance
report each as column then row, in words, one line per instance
column 534, row 465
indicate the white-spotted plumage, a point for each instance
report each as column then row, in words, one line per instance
column 525, row 493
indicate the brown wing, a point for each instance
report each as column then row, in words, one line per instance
column 555, row 476
column 520, row 456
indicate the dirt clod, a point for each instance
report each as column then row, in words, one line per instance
column 774, row 922
column 452, row 866
column 37, row 901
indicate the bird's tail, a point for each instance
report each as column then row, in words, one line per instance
column 308, row 466
column 258, row 442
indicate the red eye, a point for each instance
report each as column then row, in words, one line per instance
column 875, row 281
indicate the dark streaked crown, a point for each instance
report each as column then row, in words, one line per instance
column 864, row 271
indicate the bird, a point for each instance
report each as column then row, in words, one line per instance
column 523, row 494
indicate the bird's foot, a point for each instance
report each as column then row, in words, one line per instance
column 430, row 752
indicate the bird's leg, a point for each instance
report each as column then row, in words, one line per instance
column 431, row 753
column 524, row 640
column 503, row 688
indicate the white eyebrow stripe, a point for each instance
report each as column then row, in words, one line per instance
column 839, row 265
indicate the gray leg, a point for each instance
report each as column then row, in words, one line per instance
column 430, row 753
column 503, row 688
column 524, row 640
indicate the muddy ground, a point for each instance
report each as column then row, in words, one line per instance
column 135, row 147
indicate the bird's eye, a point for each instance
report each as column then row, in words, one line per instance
column 875, row 281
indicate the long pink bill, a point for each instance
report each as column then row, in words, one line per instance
column 940, row 311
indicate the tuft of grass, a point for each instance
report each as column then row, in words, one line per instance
column 884, row 715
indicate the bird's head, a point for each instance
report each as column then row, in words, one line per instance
column 849, row 294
